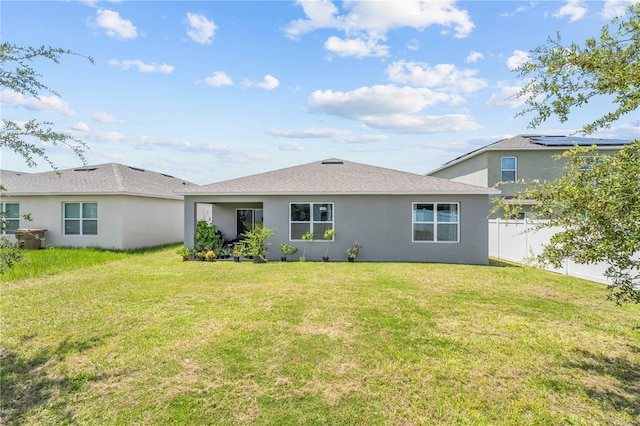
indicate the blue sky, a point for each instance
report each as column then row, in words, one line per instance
column 213, row 90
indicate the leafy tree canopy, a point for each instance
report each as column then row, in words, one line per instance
column 596, row 203
column 562, row 77
column 18, row 75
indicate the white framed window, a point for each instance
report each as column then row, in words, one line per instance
column 310, row 217
column 80, row 218
column 436, row 222
column 10, row 217
column 508, row 169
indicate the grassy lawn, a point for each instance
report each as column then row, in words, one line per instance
column 144, row 338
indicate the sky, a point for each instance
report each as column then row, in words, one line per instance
column 213, row 90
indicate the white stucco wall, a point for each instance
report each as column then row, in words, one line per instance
column 124, row 222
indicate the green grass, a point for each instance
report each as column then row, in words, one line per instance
column 144, row 338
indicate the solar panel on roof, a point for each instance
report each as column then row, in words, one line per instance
column 580, row 141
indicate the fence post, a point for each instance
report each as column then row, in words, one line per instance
column 526, row 237
column 498, row 239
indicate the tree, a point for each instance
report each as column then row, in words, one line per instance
column 566, row 77
column 17, row 74
column 596, row 203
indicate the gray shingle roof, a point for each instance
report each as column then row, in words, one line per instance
column 110, row 178
column 334, row 176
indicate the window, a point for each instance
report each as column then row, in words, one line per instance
column 436, row 222
column 248, row 220
column 80, row 218
column 310, row 217
column 10, row 217
column 508, row 169
column 589, row 161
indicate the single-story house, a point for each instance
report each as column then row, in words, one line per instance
column 394, row 215
column 110, row 206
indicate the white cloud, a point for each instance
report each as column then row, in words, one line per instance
column 201, row 30
column 365, row 22
column 405, row 123
column 474, row 57
column 105, row 136
column 114, row 25
column 413, row 45
column 521, row 8
column 142, row 67
column 80, row 127
column 288, row 146
column 506, row 96
column 103, row 117
column 320, row 14
column 375, row 100
column 518, row 58
column 358, row 47
column 573, row 9
column 269, row 83
column 94, row 3
column 625, row 130
column 336, row 135
column 392, row 108
column 442, row 76
column 219, row 79
column 42, row 104
column 614, row 8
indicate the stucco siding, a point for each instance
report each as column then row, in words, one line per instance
column 148, row 222
column 381, row 224
column 473, row 171
column 530, row 165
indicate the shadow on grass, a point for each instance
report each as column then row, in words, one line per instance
column 27, row 384
column 624, row 398
column 502, row 264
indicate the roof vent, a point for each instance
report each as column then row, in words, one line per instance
column 136, row 169
column 332, row 162
column 169, row 176
column 85, row 169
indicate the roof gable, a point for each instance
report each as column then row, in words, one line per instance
column 335, row 176
column 110, row 178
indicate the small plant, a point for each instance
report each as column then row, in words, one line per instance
column 329, row 235
column 287, row 249
column 210, row 255
column 184, row 252
column 10, row 254
column 208, row 237
column 255, row 244
column 224, row 253
column 308, row 236
column 353, row 251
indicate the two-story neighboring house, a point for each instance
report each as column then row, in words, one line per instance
column 523, row 157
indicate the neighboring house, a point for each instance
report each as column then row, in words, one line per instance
column 525, row 157
column 109, row 205
column 394, row 215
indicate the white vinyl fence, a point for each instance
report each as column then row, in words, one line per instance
column 509, row 241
